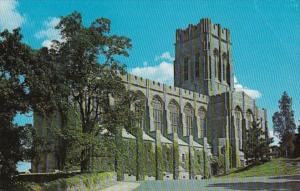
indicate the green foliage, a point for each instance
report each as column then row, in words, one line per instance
column 275, row 167
column 297, row 143
column 149, row 162
column 217, row 164
column 140, row 154
column 284, row 124
column 18, row 72
column 257, row 145
column 167, row 152
column 207, row 173
column 198, row 162
column 175, row 159
column 129, row 157
column 159, row 163
column 90, row 181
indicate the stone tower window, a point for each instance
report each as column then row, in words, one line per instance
column 174, row 115
column 224, row 56
column 216, row 60
column 209, row 68
column 202, row 131
column 186, row 68
column 157, row 113
column 228, row 74
column 197, row 65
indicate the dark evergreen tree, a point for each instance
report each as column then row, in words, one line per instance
column 297, row 143
column 257, row 147
column 284, row 124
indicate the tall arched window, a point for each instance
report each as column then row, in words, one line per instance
column 174, row 115
column 202, row 131
column 238, row 125
column 228, row 74
column 188, row 111
column 216, row 60
column 209, row 68
column 249, row 117
column 186, row 68
column 224, row 57
column 157, row 113
column 197, row 65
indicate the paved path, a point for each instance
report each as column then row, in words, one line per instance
column 280, row 183
column 123, row 186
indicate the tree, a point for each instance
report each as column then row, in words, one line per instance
column 17, row 72
column 27, row 84
column 297, row 143
column 93, row 79
column 284, row 124
column 257, row 144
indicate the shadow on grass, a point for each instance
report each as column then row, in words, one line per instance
column 288, row 185
column 246, row 168
column 289, row 177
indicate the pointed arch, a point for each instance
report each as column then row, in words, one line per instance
column 141, row 107
column 189, row 118
column 249, row 118
column 174, row 111
column 158, row 105
column 238, row 125
column 202, row 128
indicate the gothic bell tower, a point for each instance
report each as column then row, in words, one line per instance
column 203, row 60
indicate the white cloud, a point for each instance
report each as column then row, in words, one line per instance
column 275, row 139
column 250, row 92
column 162, row 72
column 49, row 33
column 166, row 56
column 10, row 18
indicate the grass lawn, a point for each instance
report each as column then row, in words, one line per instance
column 276, row 167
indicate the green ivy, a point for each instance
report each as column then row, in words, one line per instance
column 159, row 163
column 198, row 162
column 167, row 151
column 175, row 159
column 149, row 162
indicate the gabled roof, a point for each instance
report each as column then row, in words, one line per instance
column 147, row 137
column 182, row 143
column 127, row 135
column 165, row 140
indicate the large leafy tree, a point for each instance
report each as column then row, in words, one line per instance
column 284, row 124
column 93, row 79
column 257, row 144
column 21, row 76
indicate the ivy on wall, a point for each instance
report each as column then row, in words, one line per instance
column 159, row 163
column 149, row 162
column 167, row 151
column 198, row 162
column 175, row 159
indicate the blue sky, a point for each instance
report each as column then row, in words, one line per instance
column 265, row 37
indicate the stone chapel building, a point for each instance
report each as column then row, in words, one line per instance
column 201, row 115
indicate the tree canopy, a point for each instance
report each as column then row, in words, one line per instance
column 284, row 124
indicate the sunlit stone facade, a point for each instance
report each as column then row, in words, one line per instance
column 202, row 112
